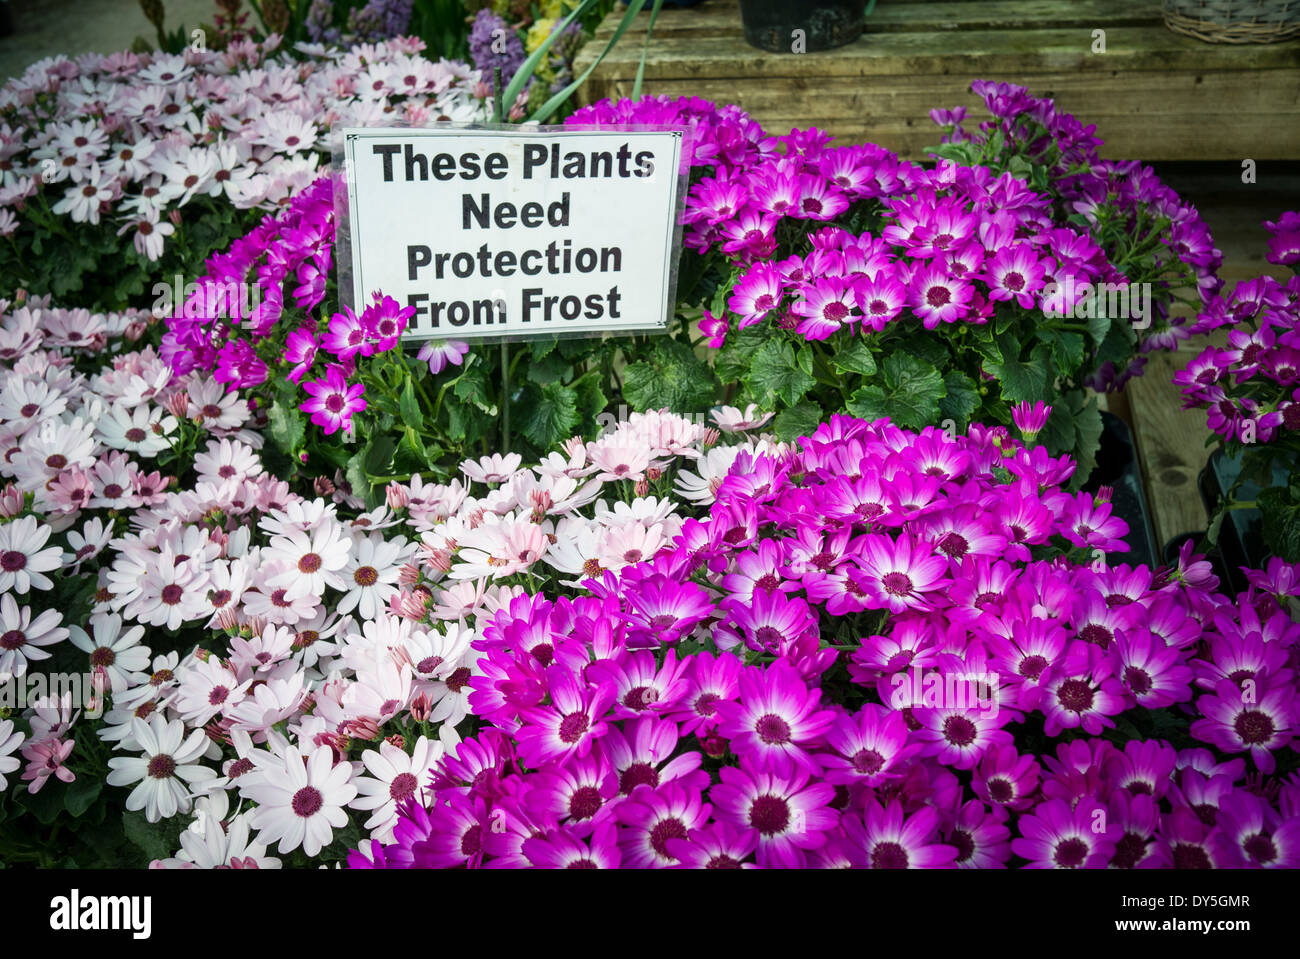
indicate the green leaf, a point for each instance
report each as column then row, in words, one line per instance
column 378, row 455
column 411, row 455
column 671, row 377
column 408, row 405
column 731, row 363
column 802, row 419
column 909, row 395
column 1098, row 326
column 961, row 400
column 858, row 358
column 548, row 369
column 778, row 372
column 1067, row 348
column 1281, row 526
column 81, row 793
column 925, row 346
column 287, row 425
column 472, row 387
column 157, row 840
column 1021, row 380
column 551, row 416
column 1088, row 422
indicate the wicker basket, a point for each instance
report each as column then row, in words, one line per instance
column 1234, row 21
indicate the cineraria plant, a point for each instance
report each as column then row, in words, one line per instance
column 881, row 650
column 232, row 628
column 118, row 171
column 843, row 278
column 1250, row 389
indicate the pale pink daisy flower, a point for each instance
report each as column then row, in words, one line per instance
column 226, row 460
column 206, row 689
column 371, row 573
column 44, row 759
column 171, row 592
column 729, row 419
column 492, row 469
column 117, row 652
column 22, row 638
column 619, row 462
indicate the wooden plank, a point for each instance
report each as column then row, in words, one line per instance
column 1171, row 447
column 717, row 18
column 976, row 53
column 1271, row 93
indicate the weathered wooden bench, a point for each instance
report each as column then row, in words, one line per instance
column 1153, row 94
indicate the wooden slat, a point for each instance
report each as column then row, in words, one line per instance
column 720, row 18
column 1171, row 447
column 976, row 53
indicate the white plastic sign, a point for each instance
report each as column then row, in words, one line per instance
column 510, row 232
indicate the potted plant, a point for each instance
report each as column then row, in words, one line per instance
column 802, row 26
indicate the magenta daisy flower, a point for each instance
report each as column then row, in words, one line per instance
column 959, row 737
column 347, row 336
column 300, row 350
column 936, row 296
column 768, row 622
column 1137, row 821
column 639, row 685
column 1014, row 273
column 564, row 850
column 756, row 294
column 776, row 719
column 718, row 845
column 868, row 746
column 711, row 681
column 1257, row 831
column 333, row 400
column 576, row 792
column 660, row 611
column 896, row 574
column 827, row 304
column 980, row 837
column 641, row 754
column 1079, row 693
column 1054, row 836
column 884, row 838
column 1153, row 673
column 651, row 817
column 1005, row 778
column 881, row 299
column 1257, row 723
column 788, row 813
column 569, row 724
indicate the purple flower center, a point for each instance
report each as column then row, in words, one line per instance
column 639, row 697
column 764, row 302
column 888, row 855
column 135, row 434
column 868, row 762
column 878, row 307
column 897, row 584
column 307, row 802
column 218, row 695
column 171, row 594
column 773, row 730
column 959, row 730
column 460, row 679
column 162, row 766
column 1000, row 790
column 706, row 704
column 1253, row 727
column 11, row 561
column 1129, row 851
column 334, row 402
column 954, row 544
column 938, row 296
column 769, row 814
column 365, row 576
column 768, row 637
column 965, row 844
column 1137, row 680
column 1075, row 695
column 102, row 656
column 13, row 639
column 835, row 311
column 1189, row 856
column 585, row 802
column 1013, row 281
column 1031, row 667
column 310, row 563
column 472, row 841
column 573, row 726
column 1070, row 853
column 403, row 785
column 664, row 830
column 723, row 861
column 1096, row 634
column 1260, row 848
column 638, row 774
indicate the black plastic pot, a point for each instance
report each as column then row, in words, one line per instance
column 771, row 24
column 1117, row 467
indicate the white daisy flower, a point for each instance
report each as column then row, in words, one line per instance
column 371, row 573
column 168, row 759
column 142, row 430
column 119, row 653
column 397, row 776
column 24, row 557
column 299, row 801
column 10, row 740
